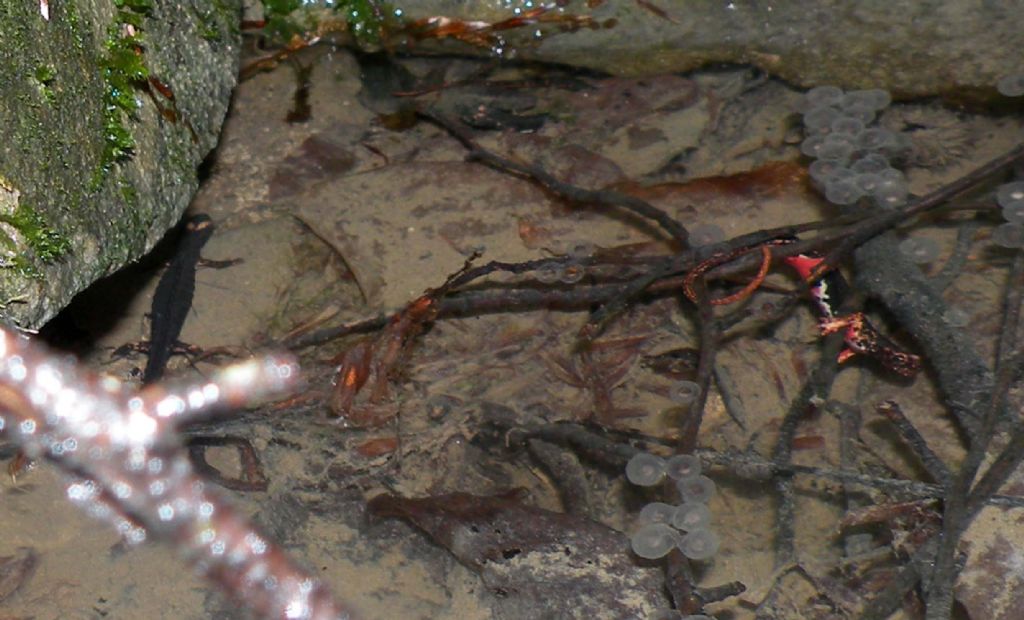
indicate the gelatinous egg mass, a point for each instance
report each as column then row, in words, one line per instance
column 548, row 274
column 700, row 489
column 1011, row 85
column 890, row 190
column 683, row 467
column 872, row 99
column 849, row 148
column 699, row 544
column 919, row 250
column 847, row 125
column 870, row 162
column 654, row 540
column 1009, row 236
column 657, row 512
column 875, row 139
column 842, row 191
column 821, row 96
column 823, row 171
column 571, row 273
column 692, row 516
column 645, row 469
column 1010, row 195
column 1014, row 213
column 835, row 148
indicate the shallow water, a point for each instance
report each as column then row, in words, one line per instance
column 339, row 216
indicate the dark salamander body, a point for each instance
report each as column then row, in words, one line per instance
column 173, row 297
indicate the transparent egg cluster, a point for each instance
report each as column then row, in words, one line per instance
column 566, row 273
column 661, row 526
column 852, row 154
column 1011, row 85
column 1010, row 198
column 920, row 250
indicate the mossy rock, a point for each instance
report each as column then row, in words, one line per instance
column 107, row 108
column 911, row 48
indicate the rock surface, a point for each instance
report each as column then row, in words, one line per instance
column 909, row 48
column 106, row 111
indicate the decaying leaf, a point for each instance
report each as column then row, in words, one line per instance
column 536, row 563
column 16, row 570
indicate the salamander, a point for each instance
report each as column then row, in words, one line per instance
column 173, row 297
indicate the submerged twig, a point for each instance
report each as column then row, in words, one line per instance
column 128, row 467
column 573, row 193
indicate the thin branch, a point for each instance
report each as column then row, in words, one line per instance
column 566, row 191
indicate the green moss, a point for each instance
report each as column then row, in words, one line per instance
column 45, row 243
column 281, row 24
column 367, row 20
column 139, row 7
column 44, row 76
column 210, row 33
column 208, row 16
column 124, row 73
column 129, row 194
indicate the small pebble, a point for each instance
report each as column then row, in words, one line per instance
column 684, row 392
column 699, row 544
column 901, row 145
column 666, row 614
column 645, row 469
column 654, row 540
column 920, row 250
column 440, row 405
column 1009, row 236
column 683, row 467
column 956, row 317
column 706, row 234
column 700, row 489
column 582, row 250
